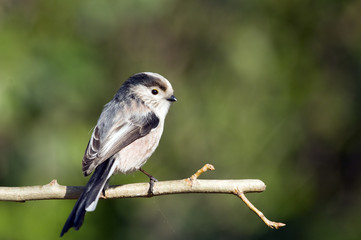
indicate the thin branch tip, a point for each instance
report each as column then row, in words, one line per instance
column 204, row 169
column 271, row 224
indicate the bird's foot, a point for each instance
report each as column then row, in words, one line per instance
column 152, row 180
column 106, row 186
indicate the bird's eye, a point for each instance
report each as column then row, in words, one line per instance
column 154, row 91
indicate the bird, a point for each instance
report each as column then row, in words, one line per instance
column 127, row 133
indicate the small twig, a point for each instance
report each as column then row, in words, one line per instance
column 269, row 223
column 205, row 168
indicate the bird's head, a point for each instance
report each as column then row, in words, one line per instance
column 154, row 90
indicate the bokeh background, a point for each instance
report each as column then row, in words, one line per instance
column 266, row 89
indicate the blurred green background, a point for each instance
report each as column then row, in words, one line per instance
column 266, row 89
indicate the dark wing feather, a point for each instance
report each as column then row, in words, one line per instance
column 92, row 149
column 119, row 136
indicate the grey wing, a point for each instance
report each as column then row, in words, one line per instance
column 119, row 136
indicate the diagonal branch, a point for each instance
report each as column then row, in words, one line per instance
column 53, row 190
column 269, row 223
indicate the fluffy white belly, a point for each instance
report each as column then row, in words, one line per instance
column 136, row 154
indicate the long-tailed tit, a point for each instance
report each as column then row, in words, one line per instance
column 127, row 133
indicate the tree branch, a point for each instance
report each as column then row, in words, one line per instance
column 53, row 190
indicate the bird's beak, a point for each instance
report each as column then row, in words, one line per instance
column 172, row 99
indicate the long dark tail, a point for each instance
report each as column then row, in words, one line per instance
column 89, row 198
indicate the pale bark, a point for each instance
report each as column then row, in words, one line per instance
column 53, row 190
